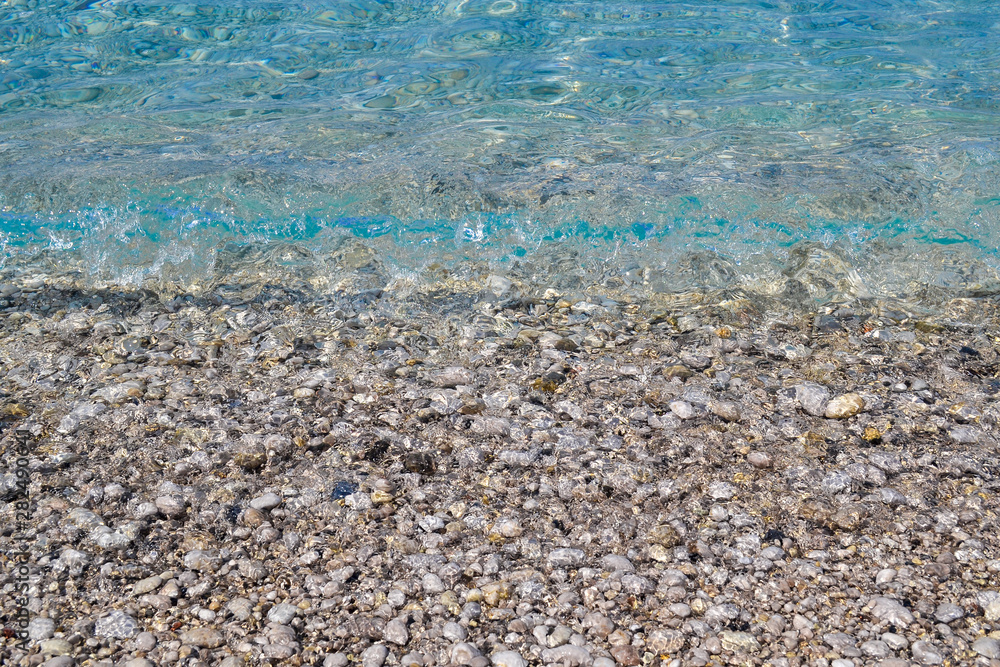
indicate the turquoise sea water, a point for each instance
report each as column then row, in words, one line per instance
column 824, row 150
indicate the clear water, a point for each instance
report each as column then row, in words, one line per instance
column 814, row 151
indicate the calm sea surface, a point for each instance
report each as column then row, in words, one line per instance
column 826, row 151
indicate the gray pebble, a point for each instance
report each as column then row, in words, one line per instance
column 171, row 506
column 559, row 558
column 568, row 656
column 374, row 655
column 926, row 653
column 662, row 641
column 721, row 490
column 452, row 377
column 813, row 398
column 147, row 585
column 616, row 563
column 412, row 660
column 432, row 584
column 140, row 662
column 396, row 632
column 282, row 613
column 266, row 501
column 454, row 632
column 888, row 462
column 463, row 653
column 890, row 611
column 726, row 410
column 145, row 641
column 117, row 625
column 431, row 523
column 145, row 511
column 598, row 624
column 203, row 637
column 836, row 481
column 875, row 649
column 41, row 628
column 679, row 609
column 74, row 560
column 682, row 409
column 396, row 598
column 559, row 636
column 776, row 624
column 885, row 576
column 948, row 612
column 335, row 660
column 987, row 647
column 839, row 641
column 241, row 608
column 55, row 647
column 508, row 659
column 964, row 435
column 636, row 585
column 772, row 553
column 200, row 560
column 891, row 497
column 59, row 661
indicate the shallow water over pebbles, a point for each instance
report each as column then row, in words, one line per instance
column 800, row 152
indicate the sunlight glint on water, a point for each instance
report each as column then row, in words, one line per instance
column 832, row 150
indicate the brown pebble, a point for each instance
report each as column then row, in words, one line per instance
column 626, row 656
column 253, row 517
column 759, row 459
column 939, row 571
column 677, row 371
column 419, row 462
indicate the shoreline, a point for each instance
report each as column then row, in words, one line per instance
column 460, row 478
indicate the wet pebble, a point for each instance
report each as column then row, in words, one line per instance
column 203, row 637
column 463, row 653
column 117, row 625
column 508, row 659
column 760, row 460
column 171, row 506
column 925, row 653
column 282, row 613
column 454, row 632
column 374, row 655
column 396, row 632
column 813, row 398
column 988, row 647
column 567, row 655
column 875, row 648
column 266, row 502
column 682, row 409
column 40, row 628
column 891, row 611
column 844, row 406
column 558, row 558
column 343, row 489
column 947, row 612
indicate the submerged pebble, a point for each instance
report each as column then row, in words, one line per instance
column 509, row 498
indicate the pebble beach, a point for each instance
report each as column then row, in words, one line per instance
column 487, row 475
